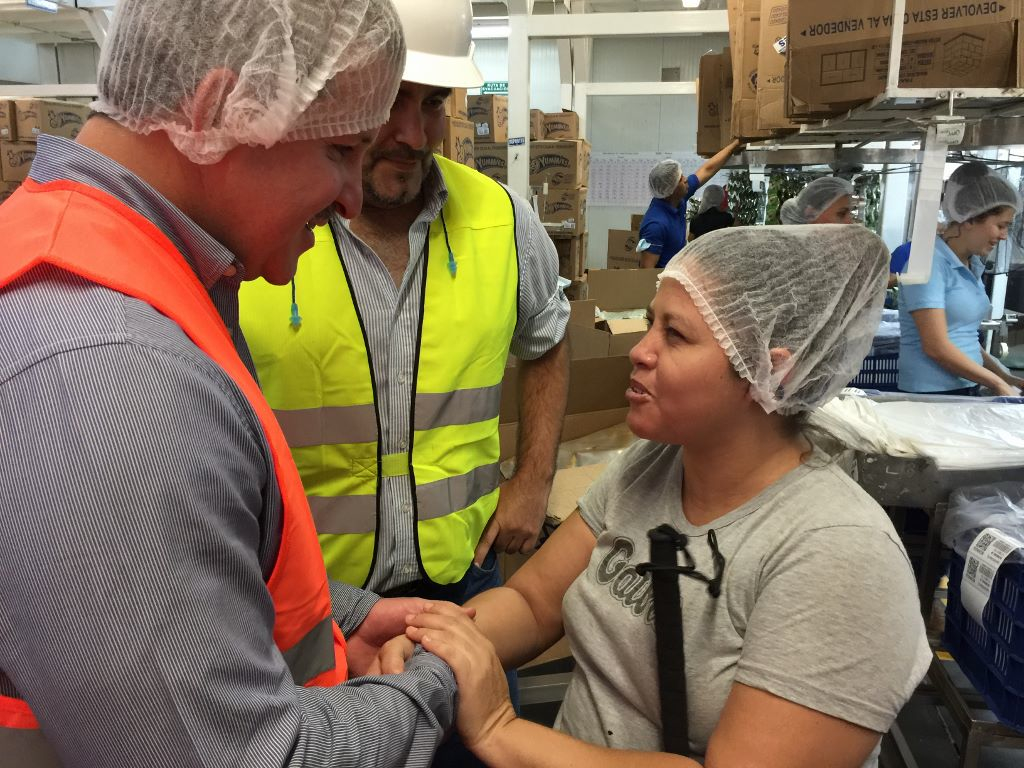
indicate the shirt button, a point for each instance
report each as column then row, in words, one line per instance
column 407, row 508
column 403, row 445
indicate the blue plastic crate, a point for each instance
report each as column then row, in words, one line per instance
column 881, row 372
column 991, row 654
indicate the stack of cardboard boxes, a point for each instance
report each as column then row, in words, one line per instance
column 797, row 61
column 460, row 132
column 559, row 173
column 21, row 123
column 559, row 169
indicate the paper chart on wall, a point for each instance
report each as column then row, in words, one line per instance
column 621, row 179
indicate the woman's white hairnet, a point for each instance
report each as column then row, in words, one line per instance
column 816, row 198
column 664, row 178
column 711, row 197
column 751, row 287
column 789, row 212
column 270, row 70
column 974, row 189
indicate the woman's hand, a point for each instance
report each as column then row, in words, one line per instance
column 392, row 657
column 484, row 706
column 1004, row 389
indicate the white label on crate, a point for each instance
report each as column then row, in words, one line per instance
column 988, row 551
column 483, row 129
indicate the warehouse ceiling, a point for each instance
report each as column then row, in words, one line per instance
column 68, row 25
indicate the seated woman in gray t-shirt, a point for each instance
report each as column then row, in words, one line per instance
column 815, row 641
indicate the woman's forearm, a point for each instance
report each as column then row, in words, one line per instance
column 504, row 616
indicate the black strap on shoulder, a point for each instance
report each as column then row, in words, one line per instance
column 665, row 571
column 668, row 628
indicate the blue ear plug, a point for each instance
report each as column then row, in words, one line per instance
column 296, row 318
column 453, row 266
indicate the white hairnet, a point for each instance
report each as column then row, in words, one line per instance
column 817, row 197
column 294, row 69
column 974, row 189
column 664, row 178
column 752, row 288
column 789, row 212
column 712, row 197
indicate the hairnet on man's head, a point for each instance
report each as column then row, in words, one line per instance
column 817, row 197
column 712, row 196
column 974, row 189
column 216, row 74
column 664, row 178
column 752, row 288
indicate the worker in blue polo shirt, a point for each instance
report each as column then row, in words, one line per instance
column 663, row 229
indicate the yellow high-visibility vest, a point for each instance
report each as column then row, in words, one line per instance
column 319, row 381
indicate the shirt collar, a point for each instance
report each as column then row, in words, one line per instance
column 976, row 266
column 59, row 159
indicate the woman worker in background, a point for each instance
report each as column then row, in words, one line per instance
column 713, row 213
column 940, row 352
column 827, row 200
column 800, row 656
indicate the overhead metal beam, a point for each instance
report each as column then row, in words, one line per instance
column 662, row 23
column 98, row 21
column 822, row 156
column 638, row 89
column 80, row 90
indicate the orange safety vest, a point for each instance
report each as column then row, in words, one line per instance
column 91, row 234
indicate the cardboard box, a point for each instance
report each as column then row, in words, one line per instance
column 771, row 67
column 456, row 104
column 582, row 312
column 577, row 290
column 492, row 160
column 458, row 141
column 7, row 189
column 596, row 384
column 839, row 53
column 617, row 290
column 559, row 164
column 744, row 70
column 624, row 334
column 709, row 111
column 635, row 221
column 566, row 207
column 490, row 113
column 572, row 256
column 586, row 343
column 622, row 249
column 57, row 118
column 725, row 100
column 8, row 121
column 562, row 125
column 15, row 159
column 536, row 125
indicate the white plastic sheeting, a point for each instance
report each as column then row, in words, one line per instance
column 956, row 435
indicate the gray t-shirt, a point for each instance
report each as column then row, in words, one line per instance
column 818, row 604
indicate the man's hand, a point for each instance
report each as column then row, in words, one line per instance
column 384, row 621
column 517, row 521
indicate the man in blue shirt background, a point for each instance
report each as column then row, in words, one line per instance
column 663, row 229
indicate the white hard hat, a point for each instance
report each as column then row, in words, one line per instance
column 438, row 36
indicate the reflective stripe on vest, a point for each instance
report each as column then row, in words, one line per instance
column 91, row 234
column 318, row 378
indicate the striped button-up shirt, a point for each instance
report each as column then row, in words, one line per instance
column 391, row 314
column 139, row 519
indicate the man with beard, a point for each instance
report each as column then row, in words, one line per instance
column 384, row 361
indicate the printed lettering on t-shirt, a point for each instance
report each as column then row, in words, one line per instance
column 632, row 590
